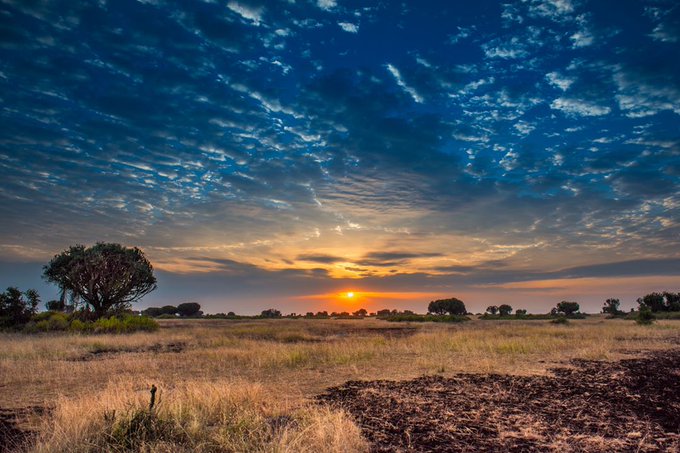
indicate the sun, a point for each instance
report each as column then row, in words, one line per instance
column 350, row 294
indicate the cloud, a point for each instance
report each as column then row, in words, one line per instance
column 553, row 9
column 324, row 259
column 560, row 81
column 579, row 107
column 400, row 81
column 326, row 4
column 642, row 93
column 348, row 27
column 247, row 12
column 509, row 50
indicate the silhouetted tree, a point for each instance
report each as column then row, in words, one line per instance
column 152, row 311
column 568, row 308
column 492, row 309
column 611, row 306
column 168, row 310
column 384, row 312
column 231, row 314
column 271, row 313
column 653, row 301
column 16, row 308
column 55, row 305
column 451, row 306
column 520, row 312
column 672, row 301
column 189, row 309
column 504, row 310
column 360, row 313
column 107, row 277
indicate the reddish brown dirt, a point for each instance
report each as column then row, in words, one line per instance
column 626, row 406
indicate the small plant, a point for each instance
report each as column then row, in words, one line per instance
column 645, row 316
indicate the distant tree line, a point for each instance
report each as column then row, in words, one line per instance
column 186, row 310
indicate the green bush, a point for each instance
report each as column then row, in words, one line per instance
column 79, row 326
column 425, row 318
column 123, row 325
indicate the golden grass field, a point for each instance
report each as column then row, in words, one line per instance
column 248, row 385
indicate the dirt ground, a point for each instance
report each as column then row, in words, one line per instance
column 591, row 406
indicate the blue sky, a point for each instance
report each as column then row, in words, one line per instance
column 277, row 153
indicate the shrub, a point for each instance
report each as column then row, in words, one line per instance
column 425, row 318
column 79, row 326
column 124, row 324
column 645, row 316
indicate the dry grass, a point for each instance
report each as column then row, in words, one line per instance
column 194, row 417
column 285, row 362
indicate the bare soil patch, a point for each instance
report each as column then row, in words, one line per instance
column 13, row 427
column 592, row 406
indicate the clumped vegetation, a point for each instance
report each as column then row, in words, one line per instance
column 450, row 306
column 661, row 302
column 62, row 322
column 425, row 318
column 16, row 307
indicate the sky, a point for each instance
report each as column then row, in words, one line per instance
column 281, row 153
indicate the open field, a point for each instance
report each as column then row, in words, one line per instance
column 252, row 385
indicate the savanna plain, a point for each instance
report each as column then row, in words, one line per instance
column 336, row 385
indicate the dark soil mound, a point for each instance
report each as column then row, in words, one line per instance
column 631, row 405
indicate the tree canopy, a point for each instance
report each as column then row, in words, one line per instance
column 451, row 306
column 107, row 277
column 17, row 307
column 504, row 309
column 568, row 308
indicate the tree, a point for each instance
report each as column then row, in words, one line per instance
column 170, row 310
column 520, row 312
column 271, row 313
column 611, row 306
column 451, row 306
column 189, row 309
column 107, row 277
column 568, row 308
column 384, row 312
column 672, row 301
column 504, row 310
column 16, row 308
column 360, row 313
column 653, row 301
column 152, row 311
column 492, row 309
column 55, row 305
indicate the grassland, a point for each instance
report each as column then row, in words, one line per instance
column 229, row 385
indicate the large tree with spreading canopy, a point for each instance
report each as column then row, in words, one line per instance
column 107, row 277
